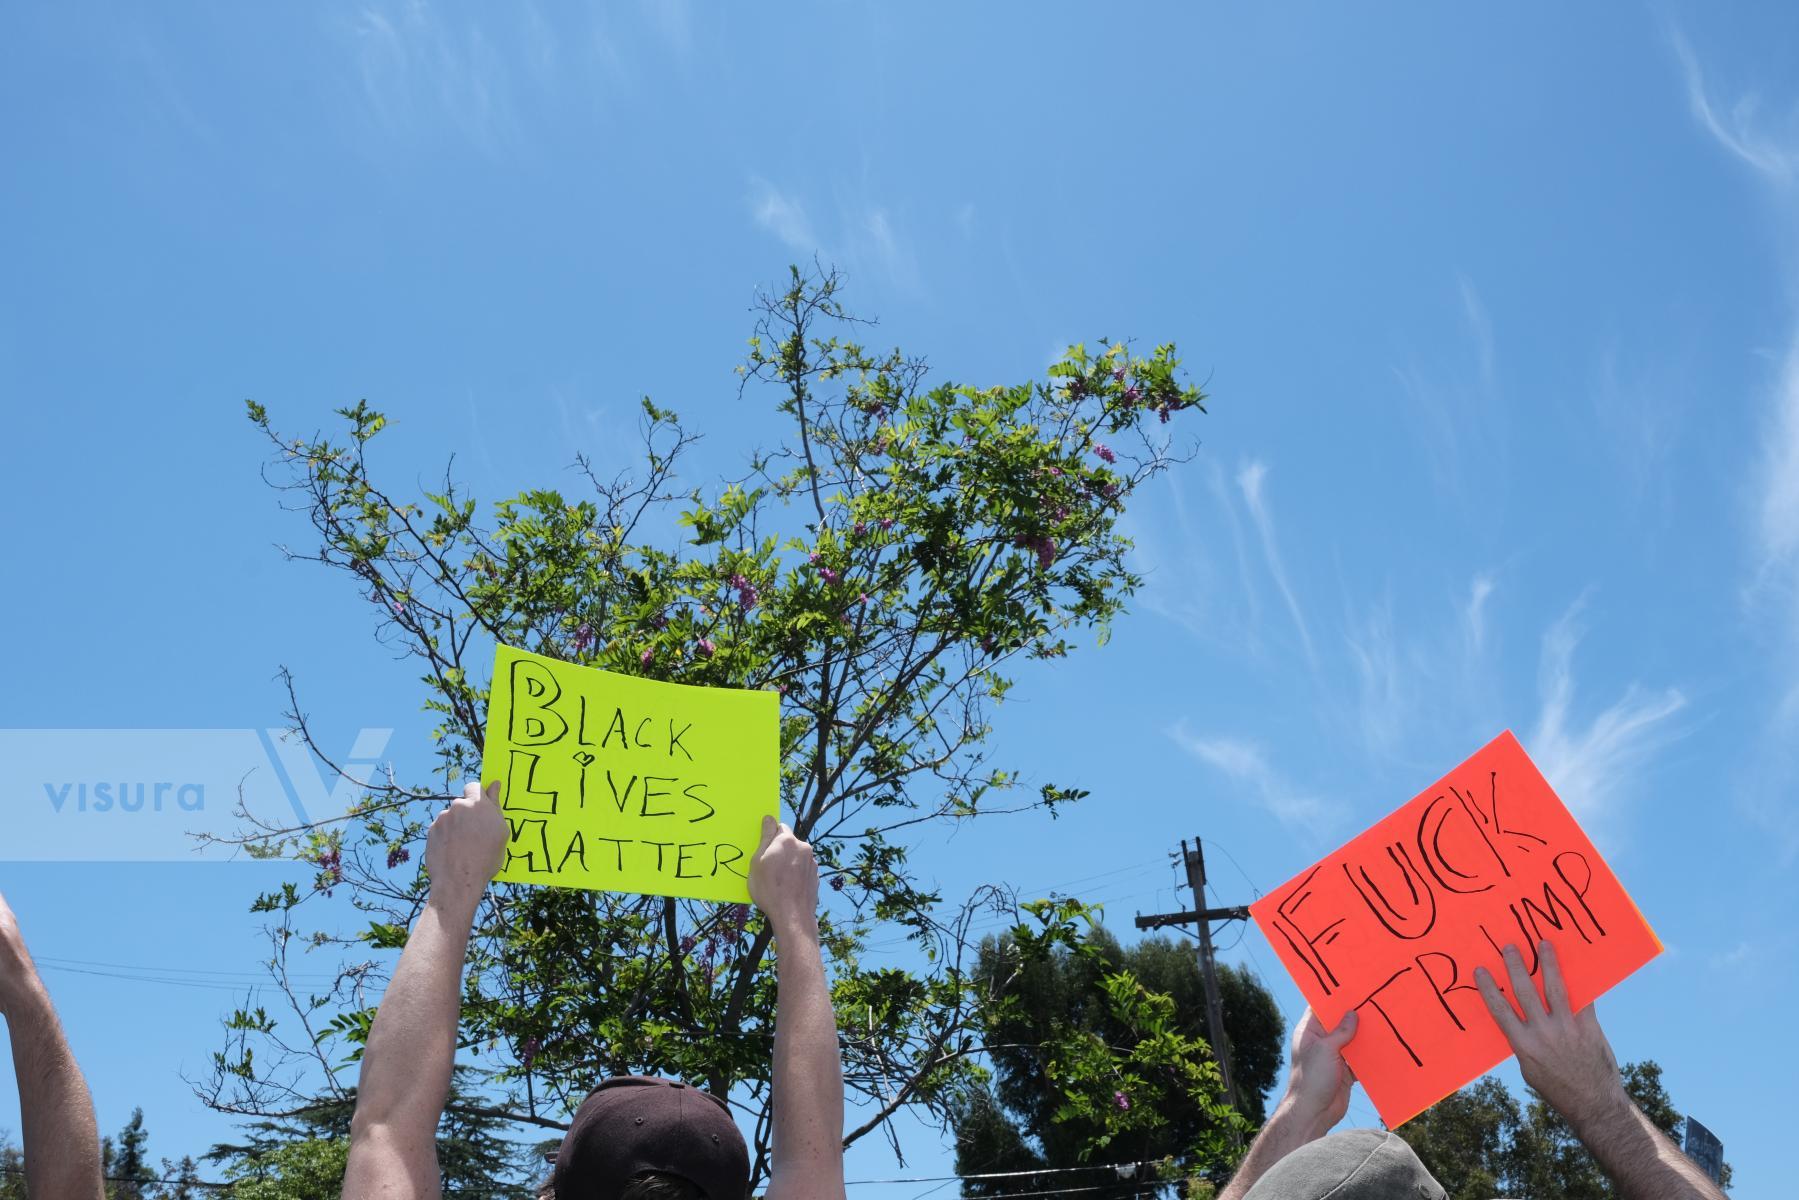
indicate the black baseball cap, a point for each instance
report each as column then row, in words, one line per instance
column 635, row 1123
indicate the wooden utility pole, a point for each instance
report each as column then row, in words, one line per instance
column 1202, row 917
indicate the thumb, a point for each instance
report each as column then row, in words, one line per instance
column 771, row 829
column 1339, row 1037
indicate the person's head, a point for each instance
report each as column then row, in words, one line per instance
column 1356, row 1164
column 638, row 1138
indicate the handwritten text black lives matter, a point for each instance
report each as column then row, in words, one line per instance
column 632, row 773
column 1415, row 906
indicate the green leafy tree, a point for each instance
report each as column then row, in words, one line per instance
column 289, row 1156
column 308, row 1169
column 1096, row 993
column 1480, row 1142
column 12, row 1169
column 883, row 566
column 1467, row 1139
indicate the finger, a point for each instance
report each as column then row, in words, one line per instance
column 1498, row 1005
column 1524, row 988
column 1340, row 1037
column 771, row 829
column 1555, row 988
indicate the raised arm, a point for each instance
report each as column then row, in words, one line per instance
column 412, row 1043
column 808, row 1078
column 62, row 1144
column 1317, row 1096
column 1565, row 1056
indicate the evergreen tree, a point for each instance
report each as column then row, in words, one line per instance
column 1480, row 1142
column 1026, row 1122
column 128, row 1172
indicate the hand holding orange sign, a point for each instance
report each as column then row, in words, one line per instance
column 1393, row 925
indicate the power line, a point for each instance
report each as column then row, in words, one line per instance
column 162, row 970
column 1003, row 1174
column 215, row 985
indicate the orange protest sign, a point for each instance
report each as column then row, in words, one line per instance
column 1394, row 923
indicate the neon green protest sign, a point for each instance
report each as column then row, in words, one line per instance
column 622, row 784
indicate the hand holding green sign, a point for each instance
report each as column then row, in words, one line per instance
column 631, row 785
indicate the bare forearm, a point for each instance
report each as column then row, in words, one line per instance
column 1286, row 1131
column 62, row 1143
column 808, row 1074
column 412, row 1044
column 1638, row 1157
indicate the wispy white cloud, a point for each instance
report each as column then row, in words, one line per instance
column 1385, row 708
column 1738, row 128
column 1639, row 416
column 1737, row 956
column 1474, row 615
column 1457, row 414
column 1778, row 518
column 673, row 19
column 1189, row 576
column 1249, row 482
column 419, row 68
column 867, row 239
column 1245, row 762
column 1591, row 767
column 889, row 255
column 1480, row 327
column 782, row 215
column 964, row 218
column 1769, row 145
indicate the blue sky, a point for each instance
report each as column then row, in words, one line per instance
column 1497, row 312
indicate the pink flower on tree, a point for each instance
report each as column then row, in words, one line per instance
column 1132, row 394
column 747, row 595
column 1122, row 1101
column 1104, row 452
column 1118, row 374
column 707, row 648
column 647, row 655
column 829, row 575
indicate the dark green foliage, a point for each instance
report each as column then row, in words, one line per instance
column 1481, row 1142
column 1042, row 1004
column 286, row 1156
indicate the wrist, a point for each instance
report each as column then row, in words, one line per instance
column 1606, row 1106
column 454, row 903
column 795, row 927
column 1304, row 1118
